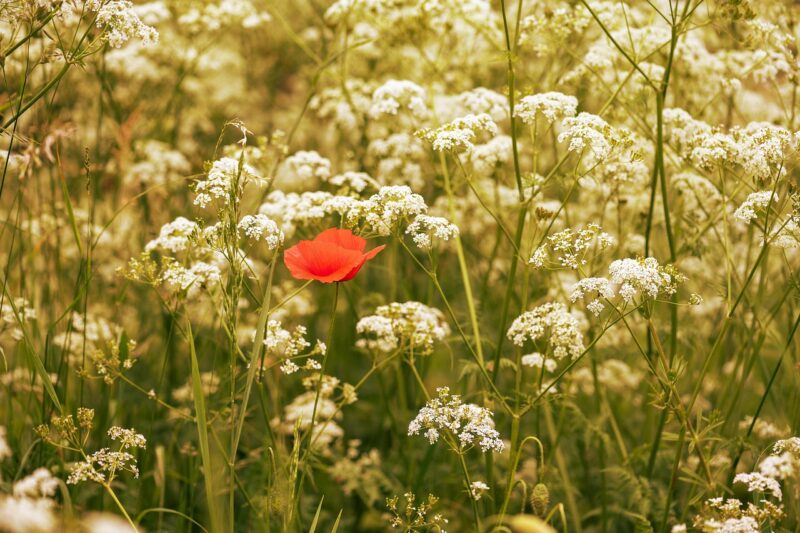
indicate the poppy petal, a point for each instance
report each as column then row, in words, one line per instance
column 366, row 257
column 328, row 262
column 342, row 237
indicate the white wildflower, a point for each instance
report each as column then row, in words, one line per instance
column 757, row 482
column 460, row 134
column 469, row 424
column 393, row 95
column 587, row 131
column 643, row 278
column 552, row 323
column 120, row 23
column 258, row 227
column 307, row 165
column 755, row 203
column 425, row 228
column 174, row 237
column 411, row 325
column 553, row 106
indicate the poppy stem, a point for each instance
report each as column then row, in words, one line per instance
column 310, row 433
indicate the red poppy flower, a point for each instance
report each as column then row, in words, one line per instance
column 333, row 255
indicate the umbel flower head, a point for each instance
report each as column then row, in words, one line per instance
column 333, row 255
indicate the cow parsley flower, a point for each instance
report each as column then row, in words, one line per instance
column 597, row 287
column 39, row 484
column 755, row 203
column 460, row 134
column 588, row 131
column 553, row 323
column 393, row 95
column 120, row 22
column 411, row 325
column 764, row 149
column 175, row 237
column 292, row 210
column 257, row 227
column 128, row 438
column 199, row 276
column 477, row 489
column 569, row 247
column 307, row 165
column 758, row 482
column 425, row 228
column 469, row 424
column 537, row 360
column 643, row 278
column 223, row 175
column 24, row 515
column 482, row 100
column 352, row 181
column 552, row 106
column 384, row 211
column 485, row 158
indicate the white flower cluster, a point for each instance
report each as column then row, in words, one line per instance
column 292, row 210
column 344, row 106
column 468, row 423
column 120, row 22
column 30, row 505
column 761, row 149
column 636, row 278
column 477, row 489
column 258, row 227
column 729, row 515
column 596, row 287
column 764, row 148
column 758, row 482
column 157, row 164
column 200, row 276
column 399, row 158
column 226, row 13
column 787, row 236
column 744, row 524
column 174, row 237
column 103, row 465
column 485, row 158
column 127, row 438
column 550, row 322
column 754, row 203
column 381, row 213
column 460, row 134
column 223, row 175
column 425, row 228
column 552, row 106
column 571, row 246
column 307, row 165
column 538, row 360
column 481, row 100
column 288, row 346
column 386, row 209
column 588, row 131
column 39, row 484
column 12, row 322
column 299, row 412
column 410, row 325
column 352, row 181
column 393, row 95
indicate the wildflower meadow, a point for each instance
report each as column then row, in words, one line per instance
column 519, row 266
